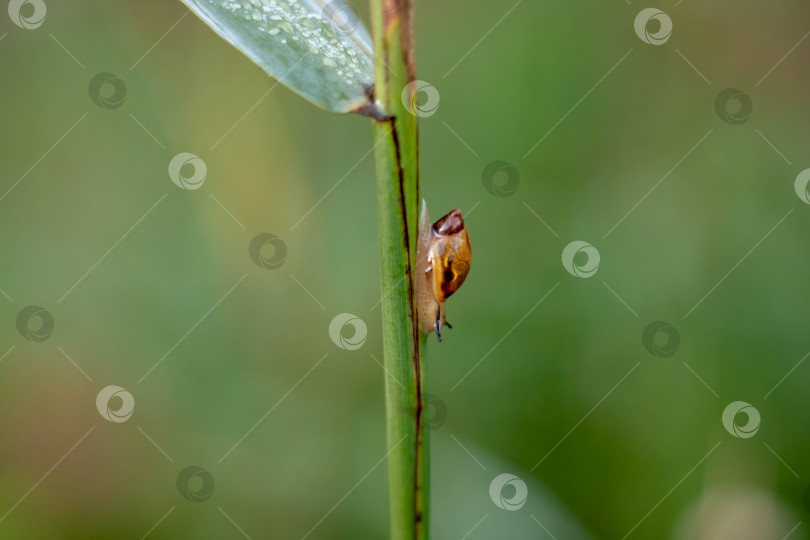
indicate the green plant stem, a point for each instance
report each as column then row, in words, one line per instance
column 398, row 199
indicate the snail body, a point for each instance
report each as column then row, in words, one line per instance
column 442, row 264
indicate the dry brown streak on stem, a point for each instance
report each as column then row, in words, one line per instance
column 414, row 341
column 415, row 353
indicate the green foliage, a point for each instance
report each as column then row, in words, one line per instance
column 317, row 49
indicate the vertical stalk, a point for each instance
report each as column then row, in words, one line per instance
column 398, row 199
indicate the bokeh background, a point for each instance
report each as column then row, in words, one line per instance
column 611, row 140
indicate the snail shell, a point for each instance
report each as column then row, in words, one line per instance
column 442, row 264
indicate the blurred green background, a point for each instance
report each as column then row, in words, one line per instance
column 626, row 441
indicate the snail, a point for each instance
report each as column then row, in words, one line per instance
column 442, row 264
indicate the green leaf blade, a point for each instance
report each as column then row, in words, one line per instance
column 317, row 49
